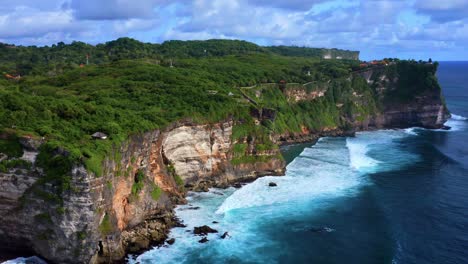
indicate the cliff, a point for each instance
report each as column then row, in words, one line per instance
column 72, row 212
column 129, row 207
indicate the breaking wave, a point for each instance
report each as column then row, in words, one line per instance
column 330, row 171
column 458, row 117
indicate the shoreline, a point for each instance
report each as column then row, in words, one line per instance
column 314, row 138
column 310, row 139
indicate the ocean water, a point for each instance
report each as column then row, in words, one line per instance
column 390, row 196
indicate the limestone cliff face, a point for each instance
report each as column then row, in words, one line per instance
column 199, row 152
column 422, row 109
column 97, row 219
column 202, row 154
column 425, row 109
column 100, row 219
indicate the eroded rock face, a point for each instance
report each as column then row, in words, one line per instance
column 100, row 219
column 201, row 156
column 432, row 115
column 297, row 95
column 50, row 229
column 199, row 152
column 93, row 219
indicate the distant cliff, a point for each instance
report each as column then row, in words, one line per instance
column 80, row 212
column 61, row 57
column 315, row 52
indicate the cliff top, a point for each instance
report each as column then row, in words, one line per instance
column 65, row 104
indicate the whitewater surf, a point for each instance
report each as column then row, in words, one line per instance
column 327, row 173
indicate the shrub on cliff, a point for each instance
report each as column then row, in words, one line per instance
column 106, row 226
column 138, row 184
column 156, row 192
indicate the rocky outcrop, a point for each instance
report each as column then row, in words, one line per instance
column 303, row 94
column 199, row 152
column 423, row 109
column 98, row 219
column 202, row 154
column 95, row 219
column 433, row 115
column 419, row 109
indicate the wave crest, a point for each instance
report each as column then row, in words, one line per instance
column 458, row 117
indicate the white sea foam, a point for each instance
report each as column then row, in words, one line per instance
column 30, row 260
column 412, row 131
column 380, row 151
column 320, row 171
column 358, row 149
column 456, row 123
column 458, row 117
column 331, row 170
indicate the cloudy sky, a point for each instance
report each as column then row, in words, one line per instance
column 388, row 28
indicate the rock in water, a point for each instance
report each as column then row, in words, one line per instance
column 204, row 230
column 171, row 241
column 237, row 185
column 226, row 234
column 272, row 184
column 203, row 240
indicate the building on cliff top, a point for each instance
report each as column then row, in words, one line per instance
column 99, row 135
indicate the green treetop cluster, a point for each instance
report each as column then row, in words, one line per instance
column 55, row 59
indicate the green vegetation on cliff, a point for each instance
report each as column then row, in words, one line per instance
column 61, row 57
column 130, row 87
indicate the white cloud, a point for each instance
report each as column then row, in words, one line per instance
column 238, row 18
column 25, row 22
column 133, row 25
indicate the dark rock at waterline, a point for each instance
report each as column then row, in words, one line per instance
column 446, row 128
column 203, row 240
column 215, row 222
column 226, row 234
column 202, row 187
column 178, row 223
column 138, row 244
column 237, row 185
column 171, row 241
column 272, row 184
column 193, row 208
column 204, row 230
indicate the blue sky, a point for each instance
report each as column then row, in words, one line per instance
column 389, row 28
